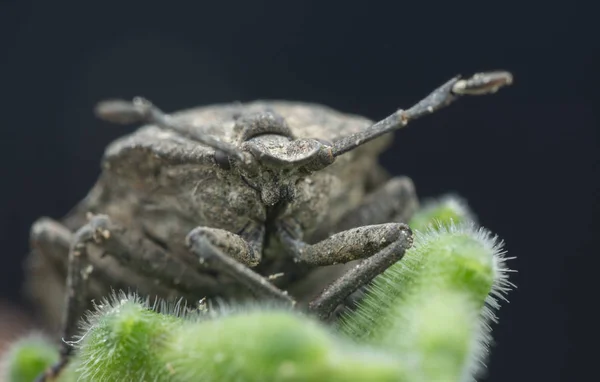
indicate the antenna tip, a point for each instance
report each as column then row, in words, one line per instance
column 119, row 111
column 483, row 83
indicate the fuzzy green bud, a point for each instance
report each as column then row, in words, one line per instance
column 447, row 210
column 122, row 342
column 27, row 358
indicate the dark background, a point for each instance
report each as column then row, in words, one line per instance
column 526, row 159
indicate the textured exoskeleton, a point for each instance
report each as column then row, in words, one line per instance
column 235, row 201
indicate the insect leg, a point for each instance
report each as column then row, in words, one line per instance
column 361, row 274
column 394, row 201
column 121, row 261
column 343, row 247
column 379, row 246
column 77, row 282
column 360, row 235
column 138, row 253
column 46, row 269
column 48, row 266
column 222, row 250
column 53, row 240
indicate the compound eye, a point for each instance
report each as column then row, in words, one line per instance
column 222, row 160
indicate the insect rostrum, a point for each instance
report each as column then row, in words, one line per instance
column 210, row 202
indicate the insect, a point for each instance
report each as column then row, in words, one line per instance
column 237, row 201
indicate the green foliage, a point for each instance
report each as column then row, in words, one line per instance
column 127, row 339
column 261, row 344
column 445, row 211
column 122, row 341
column 27, row 358
column 425, row 319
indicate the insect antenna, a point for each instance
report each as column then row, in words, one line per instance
column 140, row 110
column 478, row 84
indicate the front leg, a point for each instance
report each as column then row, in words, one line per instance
column 379, row 246
column 226, row 252
column 78, row 272
column 395, row 201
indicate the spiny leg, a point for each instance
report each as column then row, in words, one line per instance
column 134, row 260
column 229, row 253
column 51, row 241
column 395, row 201
column 77, row 283
column 379, row 245
column 365, row 271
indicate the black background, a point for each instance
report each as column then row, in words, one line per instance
column 526, row 159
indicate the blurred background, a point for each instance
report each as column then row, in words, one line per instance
column 526, row 159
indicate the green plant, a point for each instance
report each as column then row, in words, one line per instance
column 27, row 358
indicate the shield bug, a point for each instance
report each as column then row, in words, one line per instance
column 213, row 202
